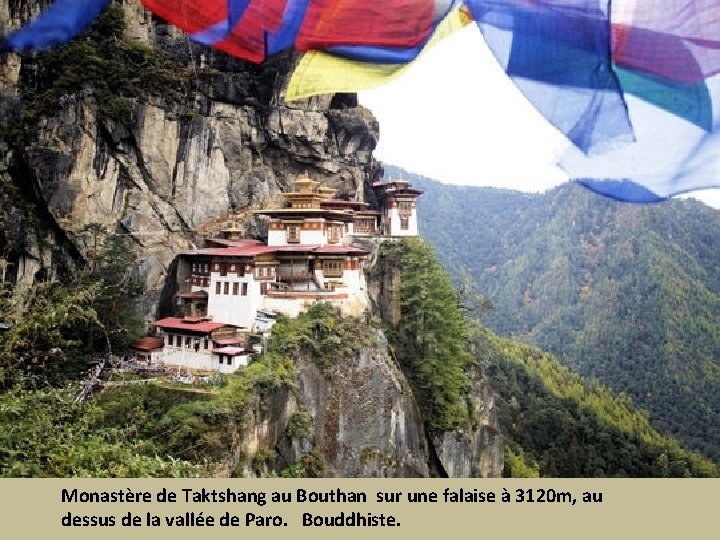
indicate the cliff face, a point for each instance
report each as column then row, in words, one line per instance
column 477, row 450
column 167, row 173
column 166, row 167
column 362, row 422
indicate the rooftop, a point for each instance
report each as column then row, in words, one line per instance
column 148, row 343
column 230, row 351
column 253, row 250
column 188, row 324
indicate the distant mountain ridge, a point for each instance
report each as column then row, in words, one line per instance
column 626, row 294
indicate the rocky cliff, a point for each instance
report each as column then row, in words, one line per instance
column 205, row 138
column 361, row 420
column 162, row 141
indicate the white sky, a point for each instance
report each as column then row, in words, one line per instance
column 456, row 117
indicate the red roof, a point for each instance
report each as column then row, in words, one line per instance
column 233, row 251
column 230, row 351
column 339, row 214
column 395, row 187
column 189, row 325
column 251, row 251
column 148, row 343
column 296, row 248
column 229, row 341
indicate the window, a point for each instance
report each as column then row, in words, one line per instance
column 229, row 360
column 406, row 207
column 220, row 359
column 293, row 234
column 194, row 267
column 169, row 340
column 206, row 343
column 223, row 269
column 217, row 287
column 263, row 288
column 226, row 287
column 178, row 341
column 217, row 267
column 244, row 289
column 232, row 267
column 332, row 268
column 404, row 223
column 187, row 342
column 334, row 234
column 235, row 288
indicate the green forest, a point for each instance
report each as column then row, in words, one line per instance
column 627, row 295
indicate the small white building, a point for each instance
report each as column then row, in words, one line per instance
column 398, row 208
column 198, row 344
column 148, row 350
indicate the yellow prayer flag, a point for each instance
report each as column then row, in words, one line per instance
column 322, row 73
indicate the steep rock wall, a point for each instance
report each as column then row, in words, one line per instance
column 171, row 173
column 363, row 421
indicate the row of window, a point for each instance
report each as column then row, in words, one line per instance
column 223, row 287
column 196, row 343
column 365, row 225
column 260, row 272
column 189, row 342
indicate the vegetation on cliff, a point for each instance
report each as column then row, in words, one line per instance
column 321, row 334
column 429, row 339
column 107, row 66
column 55, row 326
column 142, row 430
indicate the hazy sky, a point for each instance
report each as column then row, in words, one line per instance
column 456, row 117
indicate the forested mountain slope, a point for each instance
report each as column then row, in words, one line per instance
column 626, row 294
column 556, row 425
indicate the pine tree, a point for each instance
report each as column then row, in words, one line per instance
column 431, row 336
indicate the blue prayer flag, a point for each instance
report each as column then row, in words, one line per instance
column 59, row 23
